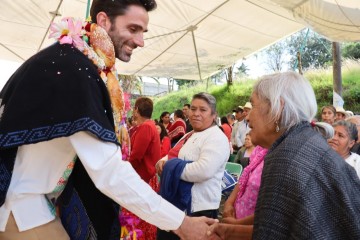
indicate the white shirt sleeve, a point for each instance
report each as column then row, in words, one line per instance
column 213, row 154
column 118, row 180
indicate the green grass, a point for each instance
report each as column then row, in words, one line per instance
column 239, row 93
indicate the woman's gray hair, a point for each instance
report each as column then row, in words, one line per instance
column 325, row 129
column 210, row 99
column 349, row 127
column 293, row 91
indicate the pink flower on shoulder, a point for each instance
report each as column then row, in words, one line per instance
column 68, row 31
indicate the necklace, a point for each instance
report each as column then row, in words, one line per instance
column 93, row 41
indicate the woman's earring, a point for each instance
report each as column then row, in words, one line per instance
column 277, row 128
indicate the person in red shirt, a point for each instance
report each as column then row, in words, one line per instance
column 145, row 152
column 178, row 128
column 165, row 120
column 226, row 127
column 165, row 143
column 145, row 141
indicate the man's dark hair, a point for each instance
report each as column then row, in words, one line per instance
column 187, row 105
column 179, row 113
column 224, row 120
column 114, row 8
column 144, row 106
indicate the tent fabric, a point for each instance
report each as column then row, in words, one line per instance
column 187, row 39
column 338, row 20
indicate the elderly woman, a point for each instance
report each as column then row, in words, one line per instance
column 244, row 153
column 344, row 139
column 328, row 114
column 307, row 190
column 208, row 150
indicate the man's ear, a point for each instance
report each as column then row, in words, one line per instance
column 103, row 21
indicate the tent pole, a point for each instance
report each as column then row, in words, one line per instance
column 207, row 84
column 301, row 50
column 196, row 53
column 55, row 14
column 87, row 9
column 4, row 46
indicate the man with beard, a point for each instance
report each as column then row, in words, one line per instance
column 70, row 130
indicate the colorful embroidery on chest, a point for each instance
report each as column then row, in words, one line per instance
column 60, row 186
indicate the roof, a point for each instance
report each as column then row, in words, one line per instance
column 187, row 39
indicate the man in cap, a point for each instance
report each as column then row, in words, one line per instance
column 240, row 127
column 341, row 114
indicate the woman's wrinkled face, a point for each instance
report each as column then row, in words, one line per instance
column 341, row 142
column 258, row 118
column 248, row 143
column 200, row 115
column 328, row 116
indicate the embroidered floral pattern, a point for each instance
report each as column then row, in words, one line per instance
column 60, row 186
column 77, row 33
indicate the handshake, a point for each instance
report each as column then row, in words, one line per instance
column 202, row 228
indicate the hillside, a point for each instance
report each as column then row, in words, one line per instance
column 237, row 94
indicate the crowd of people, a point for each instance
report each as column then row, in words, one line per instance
column 75, row 170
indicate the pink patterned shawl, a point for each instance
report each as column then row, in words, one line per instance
column 249, row 184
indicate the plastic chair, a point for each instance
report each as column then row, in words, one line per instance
column 234, row 168
column 232, row 158
column 231, row 175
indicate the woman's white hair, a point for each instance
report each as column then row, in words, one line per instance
column 325, row 129
column 290, row 96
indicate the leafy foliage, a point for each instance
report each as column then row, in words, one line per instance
column 276, row 56
column 228, row 97
column 351, row 50
column 316, row 50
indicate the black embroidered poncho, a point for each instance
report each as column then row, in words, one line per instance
column 57, row 93
column 307, row 190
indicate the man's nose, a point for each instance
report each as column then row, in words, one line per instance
column 139, row 40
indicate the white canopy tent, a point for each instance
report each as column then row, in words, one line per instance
column 187, row 39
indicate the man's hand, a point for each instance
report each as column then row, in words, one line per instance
column 230, row 231
column 216, row 232
column 195, row 228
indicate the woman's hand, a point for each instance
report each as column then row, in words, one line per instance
column 229, row 211
column 230, row 220
column 159, row 166
column 225, row 231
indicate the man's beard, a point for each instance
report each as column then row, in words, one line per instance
column 118, row 45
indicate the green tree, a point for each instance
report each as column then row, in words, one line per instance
column 183, row 82
column 351, row 50
column 131, row 83
column 275, row 56
column 241, row 70
column 316, row 50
